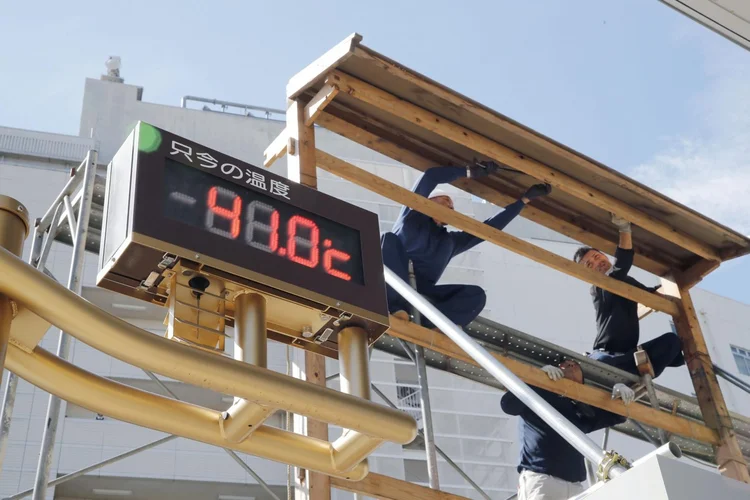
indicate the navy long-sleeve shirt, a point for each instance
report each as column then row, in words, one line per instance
column 542, row 448
column 618, row 328
column 430, row 246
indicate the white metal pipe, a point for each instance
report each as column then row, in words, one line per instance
column 670, row 450
column 448, row 459
column 67, row 190
column 424, row 396
column 544, row 410
column 63, row 346
column 71, row 217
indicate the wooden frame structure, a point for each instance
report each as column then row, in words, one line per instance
column 378, row 103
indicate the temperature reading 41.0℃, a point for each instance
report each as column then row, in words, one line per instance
column 253, row 220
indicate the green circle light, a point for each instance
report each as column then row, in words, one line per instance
column 149, row 138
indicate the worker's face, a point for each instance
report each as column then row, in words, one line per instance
column 572, row 370
column 446, row 201
column 597, row 261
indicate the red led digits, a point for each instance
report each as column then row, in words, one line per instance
column 232, row 215
column 329, row 256
column 272, row 229
column 311, row 243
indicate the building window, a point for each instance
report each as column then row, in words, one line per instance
column 742, row 358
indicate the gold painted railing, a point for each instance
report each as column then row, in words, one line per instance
column 367, row 424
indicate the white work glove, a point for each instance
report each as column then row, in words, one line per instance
column 621, row 224
column 553, row 372
column 623, row 392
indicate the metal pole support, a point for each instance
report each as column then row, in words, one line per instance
column 424, row 397
column 14, row 228
column 250, row 346
column 63, row 345
column 609, row 464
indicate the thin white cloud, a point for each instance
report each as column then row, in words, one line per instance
column 709, row 170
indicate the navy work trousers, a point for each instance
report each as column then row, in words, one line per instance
column 664, row 351
column 460, row 303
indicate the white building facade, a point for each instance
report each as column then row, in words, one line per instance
column 469, row 425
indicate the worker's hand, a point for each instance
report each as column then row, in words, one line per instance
column 621, row 224
column 482, row 169
column 537, row 191
column 623, row 392
column 553, row 372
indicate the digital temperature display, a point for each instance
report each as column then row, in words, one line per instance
column 260, row 222
column 174, row 203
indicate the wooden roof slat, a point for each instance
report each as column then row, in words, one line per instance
column 694, row 234
column 461, row 106
column 477, row 228
column 365, row 92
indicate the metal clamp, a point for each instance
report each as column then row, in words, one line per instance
column 611, row 458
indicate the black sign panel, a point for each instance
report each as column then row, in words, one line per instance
column 199, row 199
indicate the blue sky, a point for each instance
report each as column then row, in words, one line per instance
column 628, row 82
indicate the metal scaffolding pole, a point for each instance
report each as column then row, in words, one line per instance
column 732, row 379
column 611, row 464
column 63, row 346
column 424, row 396
column 437, row 448
column 440, row 452
column 231, row 453
column 98, row 465
column 9, row 399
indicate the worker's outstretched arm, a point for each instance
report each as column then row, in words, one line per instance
column 511, row 405
column 430, row 179
column 601, row 419
column 624, row 253
column 465, row 241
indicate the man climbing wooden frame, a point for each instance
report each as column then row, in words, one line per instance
column 378, row 103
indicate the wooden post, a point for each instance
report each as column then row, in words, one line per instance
column 301, row 168
column 300, row 160
column 715, row 413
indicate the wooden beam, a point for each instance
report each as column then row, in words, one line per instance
column 449, row 130
column 479, row 229
column 695, row 274
column 668, row 288
column 710, row 398
column 318, row 103
column 389, row 488
column 301, row 161
column 301, row 168
column 319, row 68
column 276, row 149
column 319, row 485
column 541, row 217
column 461, row 106
column 436, row 341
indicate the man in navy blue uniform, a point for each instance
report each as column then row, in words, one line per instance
column 550, row 468
column 430, row 246
column 618, row 326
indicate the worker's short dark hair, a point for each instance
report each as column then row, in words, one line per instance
column 581, row 253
